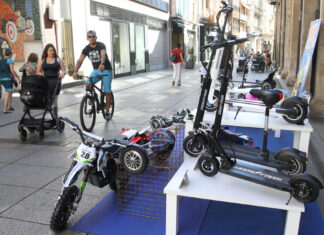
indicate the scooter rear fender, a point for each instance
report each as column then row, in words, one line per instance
column 290, row 153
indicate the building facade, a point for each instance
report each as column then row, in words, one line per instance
column 293, row 18
column 135, row 32
column 184, row 27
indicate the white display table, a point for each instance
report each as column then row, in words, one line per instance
column 256, row 120
column 192, row 183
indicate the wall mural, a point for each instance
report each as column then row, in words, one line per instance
column 19, row 22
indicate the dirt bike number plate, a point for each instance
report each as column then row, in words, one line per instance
column 86, row 154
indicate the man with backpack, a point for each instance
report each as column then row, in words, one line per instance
column 177, row 59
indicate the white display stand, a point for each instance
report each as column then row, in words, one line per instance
column 192, row 183
column 189, row 182
column 256, row 120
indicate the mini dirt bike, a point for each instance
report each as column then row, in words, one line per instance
column 303, row 187
column 96, row 160
column 195, row 144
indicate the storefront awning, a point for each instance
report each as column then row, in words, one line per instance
column 177, row 26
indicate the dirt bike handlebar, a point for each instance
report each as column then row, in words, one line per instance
column 82, row 133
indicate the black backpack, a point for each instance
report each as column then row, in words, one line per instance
column 174, row 57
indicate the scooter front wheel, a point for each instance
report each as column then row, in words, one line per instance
column 191, row 148
column 300, row 115
column 64, row 208
column 305, row 188
column 207, row 165
column 266, row 85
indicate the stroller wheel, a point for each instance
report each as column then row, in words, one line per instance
column 23, row 135
column 41, row 133
column 61, row 126
column 31, row 130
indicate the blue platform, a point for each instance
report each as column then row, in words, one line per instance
column 206, row 217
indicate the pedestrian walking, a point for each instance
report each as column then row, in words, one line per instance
column 8, row 76
column 31, row 65
column 177, row 64
column 52, row 67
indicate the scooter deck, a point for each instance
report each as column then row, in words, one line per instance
column 260, row 176
column 249, row 154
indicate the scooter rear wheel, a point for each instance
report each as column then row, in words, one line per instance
column 207, row 165
column 296, row 166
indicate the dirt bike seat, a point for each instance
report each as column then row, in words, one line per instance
column 122, row 142
column 269, row 97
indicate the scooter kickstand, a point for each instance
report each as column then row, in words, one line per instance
column 238, row 110
column 289, row 200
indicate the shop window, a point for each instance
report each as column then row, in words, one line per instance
column 121, row 51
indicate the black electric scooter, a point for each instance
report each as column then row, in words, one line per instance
column 267, row 84
column 303, row 187
column 288, row 160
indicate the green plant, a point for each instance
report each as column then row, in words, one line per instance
column 191, row 55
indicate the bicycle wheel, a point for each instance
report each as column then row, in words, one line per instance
column 88, row 113
column 103, row 105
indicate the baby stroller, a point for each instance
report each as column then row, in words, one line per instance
column 38, row 93
column 258, row 64
column 242, row 65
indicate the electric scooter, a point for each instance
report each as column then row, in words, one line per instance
column 288, row 160
column 303, row 187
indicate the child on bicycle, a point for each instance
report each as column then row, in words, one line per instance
column 96, row 52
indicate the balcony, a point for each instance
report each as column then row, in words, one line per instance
column 243, row 17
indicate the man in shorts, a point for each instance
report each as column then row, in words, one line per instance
column 96, row 52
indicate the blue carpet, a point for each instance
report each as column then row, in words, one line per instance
column 104, row 218
column 232, row 219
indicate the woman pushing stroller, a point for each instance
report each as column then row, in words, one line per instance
column 52, row 67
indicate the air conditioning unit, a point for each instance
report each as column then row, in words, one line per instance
column 53, row 12
column 274, row 2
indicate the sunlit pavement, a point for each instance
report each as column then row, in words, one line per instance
column 31, row 172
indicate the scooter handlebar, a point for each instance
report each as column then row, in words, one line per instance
column 218, row 45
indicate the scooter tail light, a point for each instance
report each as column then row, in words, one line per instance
column 280, row 95
column 251, row 143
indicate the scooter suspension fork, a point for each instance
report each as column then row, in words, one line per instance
column 202, row 102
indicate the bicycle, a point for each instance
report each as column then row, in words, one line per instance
column 90, row 104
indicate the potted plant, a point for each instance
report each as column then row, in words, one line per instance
column 191, row 59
